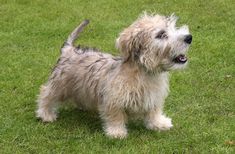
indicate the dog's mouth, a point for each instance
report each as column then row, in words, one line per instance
column 181, row 59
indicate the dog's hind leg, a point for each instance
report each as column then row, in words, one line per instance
column 48, row 101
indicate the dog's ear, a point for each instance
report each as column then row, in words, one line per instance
column 129, row 44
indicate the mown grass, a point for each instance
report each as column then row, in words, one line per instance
column 202, row 98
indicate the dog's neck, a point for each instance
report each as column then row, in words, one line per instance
column 139, row 69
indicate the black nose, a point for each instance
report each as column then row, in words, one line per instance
column 188, row 39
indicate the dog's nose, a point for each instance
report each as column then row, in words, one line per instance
column 188, row 39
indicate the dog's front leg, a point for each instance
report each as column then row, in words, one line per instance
column 156, row 120
column 114, row 122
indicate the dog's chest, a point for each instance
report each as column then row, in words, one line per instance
column 146, row 94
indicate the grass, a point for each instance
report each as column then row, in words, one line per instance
column 202, row 98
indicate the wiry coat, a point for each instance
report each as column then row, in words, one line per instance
column 136, row 82
column 95, row 80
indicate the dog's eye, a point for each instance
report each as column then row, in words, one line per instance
column 162, row 34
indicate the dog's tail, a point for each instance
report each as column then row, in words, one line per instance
column 75, row 34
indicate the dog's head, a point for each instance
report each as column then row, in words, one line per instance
column 155, row 42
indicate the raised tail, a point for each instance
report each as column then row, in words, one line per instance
column 75, row 34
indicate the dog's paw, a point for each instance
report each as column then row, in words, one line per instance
column 116, row 132
column 160, row 123
column 46, row 116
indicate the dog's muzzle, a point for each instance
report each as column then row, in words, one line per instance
column 181, row 59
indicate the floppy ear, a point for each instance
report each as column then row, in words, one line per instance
column 129, row 45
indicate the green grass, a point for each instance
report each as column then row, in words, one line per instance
column 202, row 98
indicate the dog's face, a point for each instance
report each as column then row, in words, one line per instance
column 156, row 43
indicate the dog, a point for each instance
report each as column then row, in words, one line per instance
column 118, row 88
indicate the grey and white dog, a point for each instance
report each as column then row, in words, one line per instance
column 134, row 84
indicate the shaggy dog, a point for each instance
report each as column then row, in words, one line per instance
column 134, row 84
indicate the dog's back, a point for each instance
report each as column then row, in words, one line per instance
column 80, row 73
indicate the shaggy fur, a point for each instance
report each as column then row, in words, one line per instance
column 136, row 83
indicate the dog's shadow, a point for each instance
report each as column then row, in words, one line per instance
column 90, row 121
column 75, row 119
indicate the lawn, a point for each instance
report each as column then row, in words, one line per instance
column 202, row 98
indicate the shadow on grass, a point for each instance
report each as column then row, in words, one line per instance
column 86, row 122
column 71, row 119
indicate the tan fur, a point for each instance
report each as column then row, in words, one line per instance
column 118, row 87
